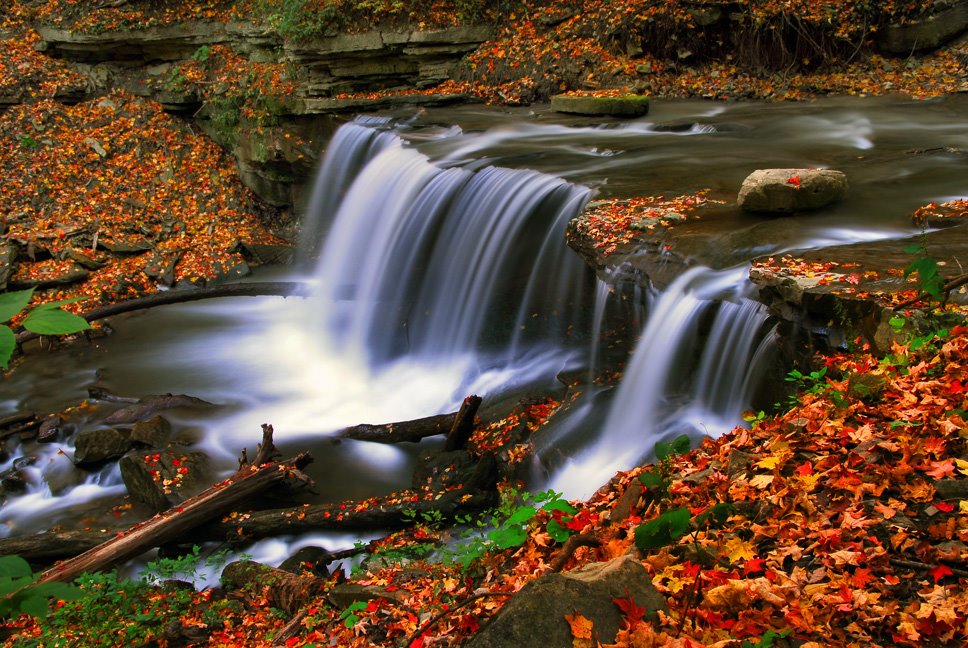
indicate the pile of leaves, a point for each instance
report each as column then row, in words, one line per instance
column 612, row 223
column 109, row 198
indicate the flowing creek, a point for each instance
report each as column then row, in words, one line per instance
column 442, row 272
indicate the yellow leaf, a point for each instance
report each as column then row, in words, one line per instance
column 738, row 550
column 769, row 462
column 963, row 506
column 761, row 481
column 962, row 466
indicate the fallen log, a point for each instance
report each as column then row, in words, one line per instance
column 148, row 406
column 164, row 298
column 283, row 590
column 456, row 425
column 45, row 548
column 463, row 427
column 174, row 523
column 401, row 431
column 394, row 512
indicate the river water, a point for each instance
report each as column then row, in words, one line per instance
column 442, row 272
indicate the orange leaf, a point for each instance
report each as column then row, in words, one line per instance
column 581, row 628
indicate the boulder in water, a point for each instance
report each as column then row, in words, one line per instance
column 163, row 478
column 631, row 105
column 786, row 191
column 94, row 447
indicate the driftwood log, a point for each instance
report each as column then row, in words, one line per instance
column 392, row 513
column 458, row 427
column 174, row 523
column 401, row 431
column 253, row 289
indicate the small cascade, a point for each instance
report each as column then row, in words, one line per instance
column 434, row 263
column 357, row 142
column 680, row 378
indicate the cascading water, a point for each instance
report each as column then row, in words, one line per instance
column 435, row 264
column 664, row 392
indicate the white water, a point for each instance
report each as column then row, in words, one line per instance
column 665, row 390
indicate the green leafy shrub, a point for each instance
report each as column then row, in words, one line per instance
column 18, row 594
column 46, row 319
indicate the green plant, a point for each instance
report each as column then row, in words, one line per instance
column 19, row 595
column 202, row 53
column 349, row 616
column 108, row 610
column 46, row 319
column 28, row 142
column 508, row 525
column 659, row 479
column 926, row 267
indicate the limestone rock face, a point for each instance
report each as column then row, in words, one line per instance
column 938, row 22
column 786, row 191
column 535, row 617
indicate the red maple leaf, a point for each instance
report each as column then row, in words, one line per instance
column 940, row 572
column 794, row 180
column 632, row 612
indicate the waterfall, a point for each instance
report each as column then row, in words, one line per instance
column 357, row 143
column 437, row 263
column 673, row 385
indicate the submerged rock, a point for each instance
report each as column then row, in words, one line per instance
column 786, row 191
column 535, row 617
column 625, row 106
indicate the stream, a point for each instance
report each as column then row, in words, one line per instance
column 442, row 271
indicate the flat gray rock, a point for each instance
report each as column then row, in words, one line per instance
column 787, row 191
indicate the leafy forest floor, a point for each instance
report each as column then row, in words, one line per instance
column 840, row 520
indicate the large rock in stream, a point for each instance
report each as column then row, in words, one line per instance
column 787, row 191
column 535, row 617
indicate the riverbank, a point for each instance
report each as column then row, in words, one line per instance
column 841, row 521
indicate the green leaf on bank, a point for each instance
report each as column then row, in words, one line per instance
column 12, row 303
column 8, row 342
column 663, row 530
column 54, row 322
column 678, row 446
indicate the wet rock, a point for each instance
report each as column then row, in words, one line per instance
column 164, row 478
column 161, row 267
column 61, row 278
column 311, row 559
column 150, row 405
column 53, row 428
column 626, row 106
column 153, row 432
column 83, row 260
column 444, row 470
column 939, row 22
column 60, row 474
column 94, row 447
column 786, row 191
column 133, row 245
column 534, row 617
column 266, row 254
